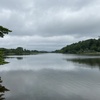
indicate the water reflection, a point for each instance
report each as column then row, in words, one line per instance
column 51, row 77
column 19, row 58
column 2, row 90
column 92, row 62
column 52, row 85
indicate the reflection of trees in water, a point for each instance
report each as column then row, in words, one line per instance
column 19, row 58
column 92, row 62
column 2, row 90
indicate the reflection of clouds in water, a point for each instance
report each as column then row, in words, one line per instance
column 49, row 77
column 52, row 85
column 70, row 67
column 38, row 68
column 39, row 62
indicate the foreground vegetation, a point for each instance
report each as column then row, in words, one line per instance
column 3, row 31
column 2, row 60
column 3, row 89
column 90, row 46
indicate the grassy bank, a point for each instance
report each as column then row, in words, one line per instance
column 2, row 61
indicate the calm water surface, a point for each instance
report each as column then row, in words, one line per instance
column 52, row 77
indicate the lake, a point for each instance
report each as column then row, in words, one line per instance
column 51, row 77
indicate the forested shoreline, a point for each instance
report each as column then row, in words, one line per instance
column 90, row 46
column 19, row 51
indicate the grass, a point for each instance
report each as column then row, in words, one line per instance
column 2, row 61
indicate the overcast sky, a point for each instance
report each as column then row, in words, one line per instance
column 48, row 24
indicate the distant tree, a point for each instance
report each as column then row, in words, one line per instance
column 19, row 51
column 4, row 31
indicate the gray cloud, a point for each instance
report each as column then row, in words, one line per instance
column 38, row 42
column 51, row 18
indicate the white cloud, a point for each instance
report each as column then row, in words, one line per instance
column 49, row 21
column 38, row 42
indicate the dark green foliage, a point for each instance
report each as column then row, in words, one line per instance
column 87, row 46
column 2, row 90
column 4, row 31
column 1, row 57
column 2, row 61
column 19, row 51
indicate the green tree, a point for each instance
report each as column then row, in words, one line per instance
column 3, row 89
column 19, row 51
column 4, row 31
column 86, row 46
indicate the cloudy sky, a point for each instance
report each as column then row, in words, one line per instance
column 48, row 24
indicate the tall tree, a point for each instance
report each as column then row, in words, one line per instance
column 4, row 31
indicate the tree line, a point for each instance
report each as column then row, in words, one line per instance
column 86, row 46
column 19, row 51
